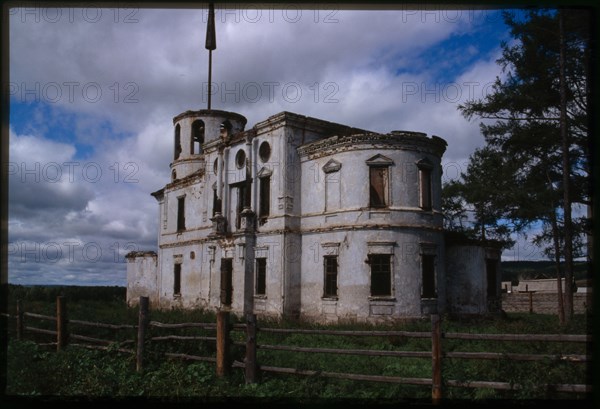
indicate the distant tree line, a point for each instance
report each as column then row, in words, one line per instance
column 73, row 293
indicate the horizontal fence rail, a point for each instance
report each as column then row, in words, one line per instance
column 224, row 361
column 407, row 334
column 40, row 316
column 102, row 325
column 521, row 337
column 367, row 352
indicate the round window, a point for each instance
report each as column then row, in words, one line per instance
column 240, row 159
column 264, row 151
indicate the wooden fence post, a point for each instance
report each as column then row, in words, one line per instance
column 531, row 302
column 62, row 332
column 19, row 320
column 436, row 359
column 141, row 333
column 251, row 366
column 223, row 362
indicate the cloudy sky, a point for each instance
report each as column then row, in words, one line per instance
column 93, row 94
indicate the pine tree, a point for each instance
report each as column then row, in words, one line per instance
column 537, row 120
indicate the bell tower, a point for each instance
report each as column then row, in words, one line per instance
column 194, row 129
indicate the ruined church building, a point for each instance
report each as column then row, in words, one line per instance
column 300, row 217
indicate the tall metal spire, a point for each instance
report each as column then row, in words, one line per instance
column 211, row 44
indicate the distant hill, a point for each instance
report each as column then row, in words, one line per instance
column 515, row 270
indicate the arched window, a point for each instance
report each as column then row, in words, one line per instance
column 197, row 137
column 225, row 129
column 177, row 151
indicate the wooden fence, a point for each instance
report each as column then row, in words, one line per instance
column 224, row 362
column 543, row 303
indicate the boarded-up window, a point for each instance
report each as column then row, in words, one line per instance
column 378, row 186
column 181, row 213
column 177, row 151
column 492, row 273
column 381, row 274
column 428, row 276
column 331, row 276
column 177, row 279
column 332, row 185
column 265, row 198
column 226, row 281
column 261, row 276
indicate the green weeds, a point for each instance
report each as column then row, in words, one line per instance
column 34, row 370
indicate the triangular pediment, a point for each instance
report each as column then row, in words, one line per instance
column 380, row 159
column 264, row 172
column 332, row 166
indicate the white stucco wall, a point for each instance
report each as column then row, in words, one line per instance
column 467, row 279
column 319, row 203
column 142, row 277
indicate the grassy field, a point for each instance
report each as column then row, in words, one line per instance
column 37, row 371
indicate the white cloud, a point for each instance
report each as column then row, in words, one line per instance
column 121, row 83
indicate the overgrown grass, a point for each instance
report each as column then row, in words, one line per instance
column 34, row 370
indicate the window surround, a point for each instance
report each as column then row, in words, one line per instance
column 382, row 248
column 425, row 184
column 264, row 209
column 330, row 250
column 260, row 284
column 177, row 267
column 181, row 214
column 260, row 252
column 380, row 161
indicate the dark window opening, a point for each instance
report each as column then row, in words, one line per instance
column 492, row 274
column 197, row 137
column 177, row 279
column 240, row 159
column 243, row 200
column 331, row 275
column 225, row 129
column 226, row 281
column 216, row 202
column 425, row 176
column 261, row 276
column 428, row 275
column 177, row 142
column 381, row 274
column 378, row 182
column 181, row 213
column 264, row 207
column 264, row 151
